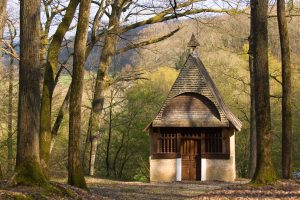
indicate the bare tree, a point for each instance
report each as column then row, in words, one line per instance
column 49, row 83
column 76, row 177
column 286, row 91
column 105, row 61
column 265, row 172
column 28, row 168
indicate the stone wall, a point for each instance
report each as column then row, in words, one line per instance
column 162, row 170
column 219, row 169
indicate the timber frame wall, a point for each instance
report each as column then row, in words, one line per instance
column 166, row 143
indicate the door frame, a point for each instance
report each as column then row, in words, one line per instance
column 193, row 160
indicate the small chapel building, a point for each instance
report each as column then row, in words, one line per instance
column 193, row 135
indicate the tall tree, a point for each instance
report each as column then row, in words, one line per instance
column 76, row 177
column 252, row 142
column 28, row 170
column 286, row 91
column 51, row 64
column 106, row 56
column 265, row 172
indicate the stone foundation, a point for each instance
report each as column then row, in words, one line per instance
column 163, row 170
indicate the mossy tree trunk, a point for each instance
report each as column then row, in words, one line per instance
column 28, row 169
column 106, row 56
column 49, row 84
column 76, row 177
column 265, row 172
column 252, row 138
column 286, row 91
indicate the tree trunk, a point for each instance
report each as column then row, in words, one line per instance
column 108, row 141
column 28, row 169
column 265, row 172
column 86, row 153
column 94, row 146
column 49, row 84
column 10, row 116
column 76, row 177
column 3, row 4
column 106, row 56
column 286, row 92
column 252, row 142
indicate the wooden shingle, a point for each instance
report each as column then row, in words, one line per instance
column 181, row 108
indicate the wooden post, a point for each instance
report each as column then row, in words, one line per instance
column 154, row 140
column 202, row 142
column 178, row 142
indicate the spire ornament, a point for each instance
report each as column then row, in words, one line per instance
column 193, row 43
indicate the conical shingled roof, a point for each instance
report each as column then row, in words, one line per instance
column 194, row 79
column 193, row 42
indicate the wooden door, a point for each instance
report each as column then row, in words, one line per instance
column 191, row 159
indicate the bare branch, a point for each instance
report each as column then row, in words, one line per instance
column 148, row 42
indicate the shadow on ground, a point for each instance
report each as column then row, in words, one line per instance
column 288, row 189
column 137, row 190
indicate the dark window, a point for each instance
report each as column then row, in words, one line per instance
column 213, row 142
column 167, row 143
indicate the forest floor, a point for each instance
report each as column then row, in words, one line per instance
column 138, row 190
column 111, row 189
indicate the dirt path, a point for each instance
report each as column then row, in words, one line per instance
column 288, row 189
column 109, row 189
column 137, row 190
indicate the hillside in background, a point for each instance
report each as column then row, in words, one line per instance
column 222, row 33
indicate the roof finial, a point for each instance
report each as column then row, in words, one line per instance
column 193, row 43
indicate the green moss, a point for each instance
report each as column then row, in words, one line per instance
column 21, row 197
column 29, row 173
column 77, row 181
column 15, row 196
column 264, row 176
